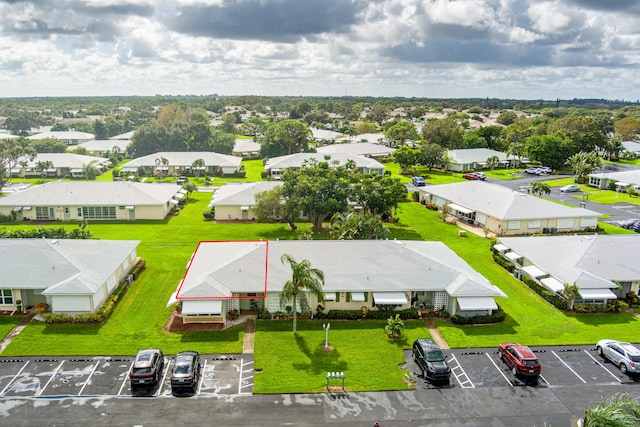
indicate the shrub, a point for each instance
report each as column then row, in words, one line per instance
column 208, row 215
column 504, row 263
column 556, row 301
column 588, row 308
column 495, row 317
column 233, row 314
column 616, row 306
column 631, row 298
column 41, row 307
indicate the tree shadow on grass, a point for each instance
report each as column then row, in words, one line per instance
column 320, row 361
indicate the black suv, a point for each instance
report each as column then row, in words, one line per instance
column 147, row 369
column 186, row 372
column 431, row 360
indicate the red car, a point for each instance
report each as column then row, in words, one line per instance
column 522, row 361
column 471, row 175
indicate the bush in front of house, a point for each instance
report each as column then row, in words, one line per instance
column 495, row 317
column 556, row 301
column 409, row 313
column 503, row 262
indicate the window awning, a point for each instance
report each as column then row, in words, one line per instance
column 76, row 171
column 16, row 209
column 357, row 296
column 329, row 296
column 460, row 208
column 178, row 196
column 500, row 247
column 622, row 184
column 51, row 170
column 27, row 208
column 597, row 294
column 16, row 170
column 173, row 201
column 244, row 208
column 389, row 298
column 202, row 307
column 534, row 271
column 513, row 255
column 477, row 303
column 130, row 207
column 553, row 284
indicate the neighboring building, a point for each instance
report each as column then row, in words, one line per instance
column 507, row 212
column 324, row 134
column 126, row 136
column 359, row 275
column 65, row 165
column 366, row 149
column 181, row 163
column 632, row 147
column 276, row 166
column 246, row 148
column 476, row 158
column 603, row 266
column 66, row 137
column 100, row 147
column 236, row 201
column 91, row 200
column 621, row 180
column 364, row 137
column 72, row 276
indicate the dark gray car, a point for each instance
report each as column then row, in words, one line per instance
column 431, row 360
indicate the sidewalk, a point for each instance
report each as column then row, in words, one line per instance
column 249, row 334
column 435, row 332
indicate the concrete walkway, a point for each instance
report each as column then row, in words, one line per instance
column 15, row 331
column 249, row 334
column 435, row 333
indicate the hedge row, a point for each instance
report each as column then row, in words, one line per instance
column 545, row 293
column 410, row 313
column 496, row 317
column 502, row 262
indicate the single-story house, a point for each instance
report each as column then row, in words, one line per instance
column 276, row 166
column 181, row 163
column 604, row 267
column 236, row 201
column 364, row 137
column 70, row 137
column 64, row 165
column 507, row 212
column 359, row 275
column 476, row 158
column 127, row 135
column 324, row 134
column 632, row 147
column 246, row 148
column 100, row 147
column 622, row 180
column 367, row 149
column 72, row 276
column 91, row 200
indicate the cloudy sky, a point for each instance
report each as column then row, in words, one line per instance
column 425, row 48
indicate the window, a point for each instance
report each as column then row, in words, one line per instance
column 6, row 297
column 98, row 212
column 42, row 212
column 533, row 223
column 513, row 225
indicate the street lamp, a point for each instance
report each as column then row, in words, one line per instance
column 326, row 335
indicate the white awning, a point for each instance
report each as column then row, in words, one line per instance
column 130, row 207
column 16, row 170
column 357, row 296
column 202, row 307
column 244, row 208
column 16, row 208
column 172, row 299
column 513, row 255
column 534, row 271
column 389, row 298
column 27, row 208
column 173, row 201
column 500, row 247
column 76, row 170
column 477, row 303
column 51, row 170
column 553, row 284
column 460, row 208
column 329, row 296
column 622, row 184
column 597, row 294
column 178, row 196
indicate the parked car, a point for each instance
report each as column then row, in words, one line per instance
column 186, row 373
column 622, row 354
column 181, row 180
column 431, row 360
column 147, row 368
column 533, row 171
column 626, row 223
column 543, row 170
column 571, row 188
column 522, row 361
column 472, row 176
column 418, row 181
column 481, row 175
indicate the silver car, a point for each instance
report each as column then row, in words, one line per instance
column 622, row 354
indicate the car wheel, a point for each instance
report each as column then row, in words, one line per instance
column 599, row 351
column 514, row 370
column 500, row 355
column 623, row 368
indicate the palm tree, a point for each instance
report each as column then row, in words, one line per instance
column 197, row 166
column 43, row 167
column 540, row 188
column 394, row 326
column 304, row 278
column 571, row 292
column 516, row 149
column 621, row 409
column 582, row 164
column 492, row 162
column 190, row 187
column 91, row 171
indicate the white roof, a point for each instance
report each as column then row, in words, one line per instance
column 105, row 144
column 320, row 134
column 476, row 155
column 219, row 269
column 243, row 194
column 246, row 146
column 126, row 135
column 97, row 193
column 186, row 158
column 65, row 160
column 625, row 177
column 503, row 203
column 62, row 266
column 296, row 160
column 364, row 137
column 63, row 135
column 358, row 148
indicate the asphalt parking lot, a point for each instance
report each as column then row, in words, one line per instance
column 109, row 376
column 561, row 366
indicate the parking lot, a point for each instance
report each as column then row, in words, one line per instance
column 561, row 366
column 109, row 376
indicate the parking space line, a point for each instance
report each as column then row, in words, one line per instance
column 499, row 370
column 39, row 393
column 15, row 377
column 545, row 380
column 240, row 386
column 164, row 376
column 88, row 379
column 568, row 367
column 602, row 366
column 204, row 368
column 467, row 382
column 126, row 377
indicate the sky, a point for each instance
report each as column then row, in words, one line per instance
column 516, row 49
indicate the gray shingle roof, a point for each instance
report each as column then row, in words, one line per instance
column 186, row 158
column 296, row 160
column 358, row 148
column 241, row 194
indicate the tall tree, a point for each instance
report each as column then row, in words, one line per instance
column 304, row 279
column 550, row 150
column 198, row 132
column 12, row 153
column 627, row 129
column 538, row 188
column 354, row 226
column 20, row 122
column 43, row 167
column 446, row 133
column 99, row 130
column 493, row 162
column 285, row 137
column 583, row 131
column 252, row 127
column 582, row 164
column 402, row 131
column 377, row 194
column 91, row 171
column 379, row 113
column 222, row 142
column 197, row 166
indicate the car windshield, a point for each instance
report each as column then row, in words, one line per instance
column 183, row 365
column 434, row 356
column 530, row 362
